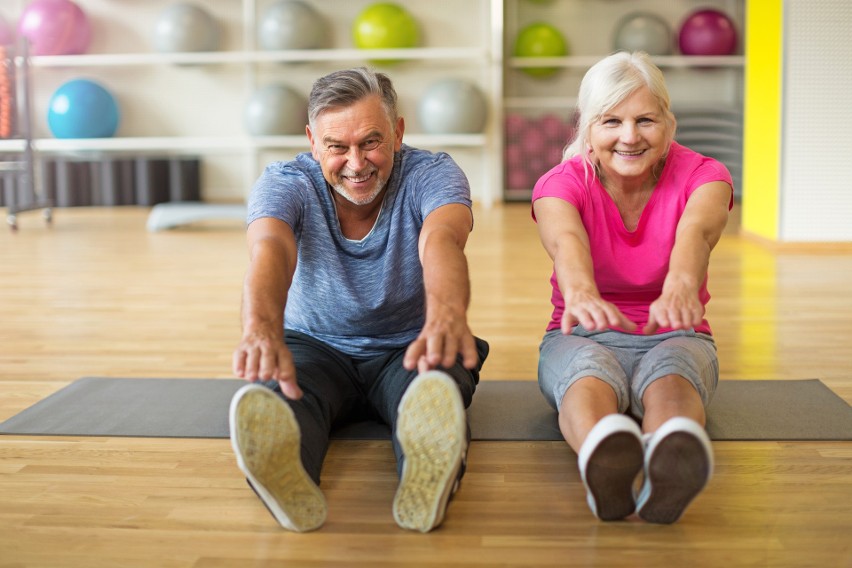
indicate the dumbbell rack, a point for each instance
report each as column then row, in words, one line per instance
column 16, row 122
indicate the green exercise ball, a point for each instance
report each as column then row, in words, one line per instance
column 540, row 40
column 385, row 25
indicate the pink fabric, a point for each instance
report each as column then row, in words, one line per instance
column 630, row 267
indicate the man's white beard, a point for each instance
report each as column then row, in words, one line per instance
column 341, row 191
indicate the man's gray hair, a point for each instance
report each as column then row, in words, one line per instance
column 347, row 87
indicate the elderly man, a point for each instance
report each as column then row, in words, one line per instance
column 355, row 305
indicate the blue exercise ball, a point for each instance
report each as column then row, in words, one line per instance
column 82, row 108
column 275, row 110
column 452, row 106
column 291, row 24
column 185, row 27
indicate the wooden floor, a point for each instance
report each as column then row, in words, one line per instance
column 96, row 295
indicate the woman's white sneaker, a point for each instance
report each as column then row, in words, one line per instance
column 678, row 465
column 609, row 461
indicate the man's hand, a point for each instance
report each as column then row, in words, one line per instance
column 443, row 337
column 262, row 355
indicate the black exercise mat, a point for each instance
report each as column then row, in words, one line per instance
column 501, row 410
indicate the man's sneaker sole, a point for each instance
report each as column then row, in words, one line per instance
column 678, row 464
column 431, row 428
column 609, row 460
column 266, row 440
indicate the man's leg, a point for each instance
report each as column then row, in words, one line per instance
column 281, row 444
column 427, row 416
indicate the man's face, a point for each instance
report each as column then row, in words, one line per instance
column 355, row 146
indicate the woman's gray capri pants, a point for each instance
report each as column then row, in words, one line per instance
column 626, row 362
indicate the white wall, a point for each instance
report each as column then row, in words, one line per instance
column 816, row 171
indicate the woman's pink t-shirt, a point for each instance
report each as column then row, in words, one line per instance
column 630, row 267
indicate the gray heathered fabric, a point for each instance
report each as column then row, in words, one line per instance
column 362, row 297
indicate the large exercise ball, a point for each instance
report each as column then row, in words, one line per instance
column 82, row 108
column 7, row 34
column 452, row 106
column 291, row 24
column 540, row 39
column 275, row 110
column 643, row 31
column 385, row 25
column 55, row 27
column 708, row 32
column 185, row 27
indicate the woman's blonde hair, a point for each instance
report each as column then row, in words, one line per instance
column 606, row 84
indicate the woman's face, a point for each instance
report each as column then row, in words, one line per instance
column 629, row 139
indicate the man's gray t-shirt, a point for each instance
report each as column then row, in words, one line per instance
column 361, row 297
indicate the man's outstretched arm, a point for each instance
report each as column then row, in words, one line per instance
column 261, row 353
column 445, row 333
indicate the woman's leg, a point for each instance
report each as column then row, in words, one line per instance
column 680, row 375
column 670, row 396
column 585, row 402
column 590, row 385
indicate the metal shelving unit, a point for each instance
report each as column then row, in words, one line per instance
column 18, row 172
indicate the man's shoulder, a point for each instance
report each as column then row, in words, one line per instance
column 301, row 164
column 413, row 157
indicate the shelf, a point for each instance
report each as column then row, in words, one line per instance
column 542, row 103
column 584, row 62
column 460, row 39
column 225, row 144
column 244, row 57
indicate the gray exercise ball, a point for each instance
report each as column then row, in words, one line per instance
column 452, row 106
column 291, row 24
column 184, row 26
column 275, row 110
column 643, row 31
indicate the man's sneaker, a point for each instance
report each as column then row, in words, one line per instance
column 678, row 464
column 609, row 461
column 431, row 428
column 266, row 439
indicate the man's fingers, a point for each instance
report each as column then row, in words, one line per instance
column 470, row 356
column 435, row 350
column 238, row 363
column 268, row 367
column 413, row 354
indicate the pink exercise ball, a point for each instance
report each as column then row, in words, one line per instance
column 518, row 179
column 55, row 27
column 514, row 156
column 552, row 127
column 708, row 32
column 7, row 35
column 515, row 125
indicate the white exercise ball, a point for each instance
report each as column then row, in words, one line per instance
column 183, row 27
column 452, row 106
column 275, row 110
column 291, row 24
column 643, row 31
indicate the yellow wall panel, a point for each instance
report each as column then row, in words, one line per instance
column 762, row 128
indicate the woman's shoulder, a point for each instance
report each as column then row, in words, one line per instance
column 689, row 167
column 568, row 171
column 686, row 158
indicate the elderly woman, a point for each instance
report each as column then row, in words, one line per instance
column 629, row 218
